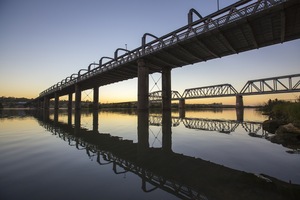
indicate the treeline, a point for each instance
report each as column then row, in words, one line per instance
column 283, row 110
column 13, row 102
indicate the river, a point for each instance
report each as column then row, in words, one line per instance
column 122, row 154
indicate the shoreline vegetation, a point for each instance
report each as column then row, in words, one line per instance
column 283, row 123
column 12, row 102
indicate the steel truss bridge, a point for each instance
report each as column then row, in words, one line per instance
column 157, row 168
column 273, row 85
column 242, row 26
column 223, row 126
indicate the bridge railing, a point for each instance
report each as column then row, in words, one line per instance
column 209, row 23
column 213, row 21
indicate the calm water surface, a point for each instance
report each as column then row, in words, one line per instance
column 122, row 154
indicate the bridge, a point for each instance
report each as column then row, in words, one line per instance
column 242, row 26
column 273, row 85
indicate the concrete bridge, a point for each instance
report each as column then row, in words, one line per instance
column 243, row 26
column 273, row 85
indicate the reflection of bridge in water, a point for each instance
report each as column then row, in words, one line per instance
column 181, row 175
column 225, row 126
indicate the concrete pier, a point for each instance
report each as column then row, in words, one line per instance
column 143, row 132
column 46, row 103
column 77, row 97
column 70, row 100
column 56, row 101
column 239, row 101
column 167, row 131
column 181, row 104
column 143, row 85
column 95, row 120
column 166, row 88
column 96, row 98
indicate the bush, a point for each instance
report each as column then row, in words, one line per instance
column 287, row 111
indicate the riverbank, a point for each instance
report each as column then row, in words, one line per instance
column 284, row 122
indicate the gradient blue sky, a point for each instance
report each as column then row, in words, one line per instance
column 44, row 41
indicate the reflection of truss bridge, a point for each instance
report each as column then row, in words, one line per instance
column 224, row 126
column 211, row 124
column 156, row 120
column 252, row 128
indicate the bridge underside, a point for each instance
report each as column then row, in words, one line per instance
column 274, row 25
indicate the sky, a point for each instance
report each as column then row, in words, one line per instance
column 45, row 41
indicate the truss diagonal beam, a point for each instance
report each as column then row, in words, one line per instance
column 210, row 91
column 157, row 95
column 280, row 84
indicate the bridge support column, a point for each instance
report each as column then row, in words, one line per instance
column 143, row 85
column 46, row 102
column 143, row 132
column 166, row 88
column 39, row 104
column 56, row 101
column 55, row 117
column 240, row 114
column 167, row 131
column 95, row 120
column 70, row 100
column 77, row 97
column 77, row 122
column 96, row 98
column 181, row 107
column 239, row 108
column 181, row 104
column 239, row 101
column 70, row 117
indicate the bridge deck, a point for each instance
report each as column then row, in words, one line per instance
column 236, row 30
